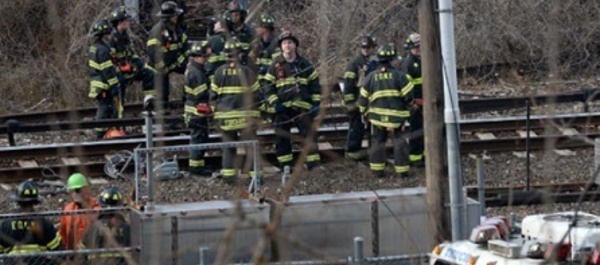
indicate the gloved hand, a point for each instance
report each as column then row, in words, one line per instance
column 315, row 109
column 203, row 108
column 279, row 107
column 115, row 91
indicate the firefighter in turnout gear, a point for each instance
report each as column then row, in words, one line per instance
column 264, row 49
column 412, row 67
column 217, row 44
column 356, row 71
column 28, row 235
column 384, row 101
column 236, row 98
column 239, row 29
column 295, row 94
column 167, row 49
column 129, row 65
column 197, row 110
column 110, row 230
column 104, row 83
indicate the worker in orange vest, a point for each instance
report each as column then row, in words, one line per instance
column 72, row 227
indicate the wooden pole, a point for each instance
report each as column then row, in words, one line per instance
column 433, row 115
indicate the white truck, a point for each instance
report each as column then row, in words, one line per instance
column 541, row 239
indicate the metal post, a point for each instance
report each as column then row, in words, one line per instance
column 12, row 126
column 481, row 188
column 451, row 117
column 202, row 252
column 513, row 220
column 527, row 147
column 596, row 160
column 175, row 240
column 375, row 227
column 358, row 249
column 256, row 178
column 149, row 169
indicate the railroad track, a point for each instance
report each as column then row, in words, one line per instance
column 466, row 106
column 538, row 194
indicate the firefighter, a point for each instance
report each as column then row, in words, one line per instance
column 264, row 49
column 167, row 49
column 384, row 101
column 240, row 29
column 104, row 84
column 412, row 67
column 356, row 71
column 110, row 230
column 28, row 235
column 72, row 227
column 129, row 65
column 217, row 44
column 235, row 97
column 295, row 94
column 196, row 110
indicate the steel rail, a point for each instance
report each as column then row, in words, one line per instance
column 466, row 106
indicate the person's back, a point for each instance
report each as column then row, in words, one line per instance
column 28, row 235
column 73, row 226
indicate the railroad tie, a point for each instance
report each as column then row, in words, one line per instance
column 70, row 161
column 27, row 163
column 567, row 132
column 523, row 134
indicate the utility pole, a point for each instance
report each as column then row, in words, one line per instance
column 433, row 125
column 451, row 117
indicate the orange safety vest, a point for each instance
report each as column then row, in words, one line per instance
column 72, row 227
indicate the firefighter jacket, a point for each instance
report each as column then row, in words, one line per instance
column 167, row 49
column 196, row 89
column 109, row 231
column 235, row 96
column 244, row 34
column 102, row 70
column 72, row 227
column 120, row 45
column 359, row 67
column 264, row 52
column 217, row 57
column 386, row 97
column 293, row 84
column 28, row 235
column 412, row 67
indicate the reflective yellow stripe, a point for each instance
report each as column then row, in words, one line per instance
column 192, row 110
column 231, row 90
column 384, row 124
column 407, row 89
column 349, row 97
column 401, row 169
column 290, row 81
column 298, row 103
column 418, row 81
column 236, row 114
column 98, row 84
column 153, row 41
column 217, row 58
column 390, row 112
column 227, row 172
column 100, row 66
column 160, row 65
column 55, row 243
column 92, row 49
column 349, row 75
column 272, row 99
column 270, row 77
column 197, row 90
column 245, row 45
column 415, row 158
column 362, row 109
column 27, row 248
column 196, row 163
column 285, row 158
column 314, row 75
column 386, row 93
column 264, row 61
column 364, row 92
column 113, row 81
column 316, row 97
column 377, row 166
column 313, row 158
column 353, row 155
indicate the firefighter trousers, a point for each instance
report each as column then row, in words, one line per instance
column 379, row 136
column 198, row 135
column 356, row 134
column 229, row 163
column 283, row 125
column 106, row 110
column 416, row 137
